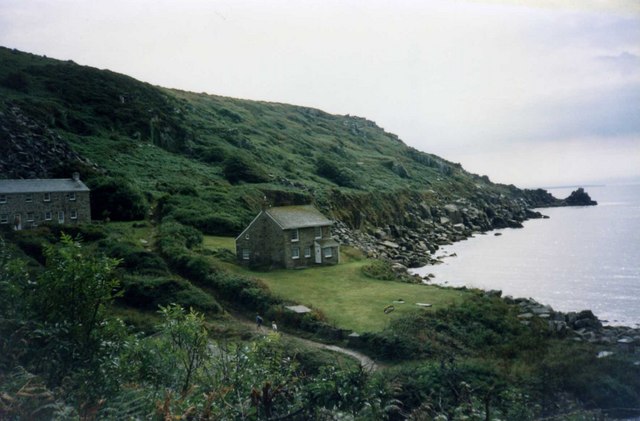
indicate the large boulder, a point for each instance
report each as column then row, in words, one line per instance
column 579, row 198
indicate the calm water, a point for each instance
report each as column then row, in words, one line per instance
column 580, row 258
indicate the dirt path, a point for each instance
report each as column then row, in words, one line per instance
column 367, row 363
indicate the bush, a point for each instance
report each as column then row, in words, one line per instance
column 16, row 81
column 135, row 259
column 341, row 176
column 380, row 269
column 239, row 168
column 210, row 223
column 172, row 232
column 116, row 199
column 87, row 232
column 149, row 292
column 33, row 241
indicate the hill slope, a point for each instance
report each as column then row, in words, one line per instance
column 210, row 161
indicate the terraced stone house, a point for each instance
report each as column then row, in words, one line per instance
column 290, row 237
column 29, row 203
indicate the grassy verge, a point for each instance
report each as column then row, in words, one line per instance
column 344, row 294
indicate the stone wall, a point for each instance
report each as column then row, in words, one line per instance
column 28, row 210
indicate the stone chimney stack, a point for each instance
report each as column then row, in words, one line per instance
column 75, row 176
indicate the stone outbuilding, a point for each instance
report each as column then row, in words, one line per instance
column 31, row 202
column 290, row 237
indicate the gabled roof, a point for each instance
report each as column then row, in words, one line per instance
column 40, row 185
column 291, row 217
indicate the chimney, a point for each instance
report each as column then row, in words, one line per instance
column 75, row 176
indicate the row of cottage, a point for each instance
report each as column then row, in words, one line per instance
column 287, row 236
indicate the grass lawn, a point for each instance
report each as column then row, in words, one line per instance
column 214, row 242
column 344, row 294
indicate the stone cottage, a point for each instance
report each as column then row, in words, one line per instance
column 29, row 203
column 290, row 237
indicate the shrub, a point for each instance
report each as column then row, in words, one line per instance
column 341, row 176
column 210, row 223
column 16, row 81
column 116, row 199
column 87, row 232
column 134, row 258
column 380, row 269
column 150, row 292
column 33, row 241
column 239, row 168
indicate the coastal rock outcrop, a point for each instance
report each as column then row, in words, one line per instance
column 581, row 326
column 579, row 198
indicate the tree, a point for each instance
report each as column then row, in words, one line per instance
column 69, row 303
column 188, row 338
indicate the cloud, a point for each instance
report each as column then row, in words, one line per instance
column 446, row 76
column 549, row 162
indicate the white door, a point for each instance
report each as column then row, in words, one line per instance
column 61, row 217
column 318, row 253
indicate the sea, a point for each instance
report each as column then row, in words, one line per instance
column 585, row 257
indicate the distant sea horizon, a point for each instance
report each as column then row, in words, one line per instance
column 585, row 257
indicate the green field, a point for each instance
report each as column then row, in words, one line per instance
column 343, row 293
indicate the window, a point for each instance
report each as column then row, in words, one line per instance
column 47, row 197
column 30, row 216
column 28, row 197
column 3, row 198
column 246, row 253
column 307, row 252
column 328, row 252
column 61, row 217
column 295, row 253
column 72, row 196
column 4, row 218
column 246, row 237
column 294, row 235
column 47, row 216
column 318, row 232
column 74, row 214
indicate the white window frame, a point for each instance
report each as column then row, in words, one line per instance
column 46, row 197
column 31, row 217
column 72, row 196
column 246, row 254
column 295, row 235
column 4, row 218
column 3, row 198
column 28, row 197
column 48, row 216
column 307, row 252
column 327, row 252
column 73, row 214
column 318, row 230
column 295, row 252
column 61, row 217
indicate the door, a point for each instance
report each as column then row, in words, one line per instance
column 61, row 217
column 318, row 253
column 17, row 222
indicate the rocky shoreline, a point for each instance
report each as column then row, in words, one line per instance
column 582, row 326
column 426, row 228
column 431, row 227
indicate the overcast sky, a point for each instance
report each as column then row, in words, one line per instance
column 534, row 93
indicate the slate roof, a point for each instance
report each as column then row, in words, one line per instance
column 291, row 217
column 41, row 185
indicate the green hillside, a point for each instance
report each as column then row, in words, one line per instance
column 210, row 160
